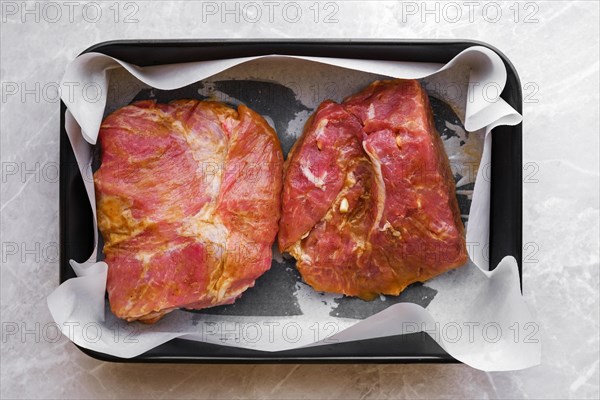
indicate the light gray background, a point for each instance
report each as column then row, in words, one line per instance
column 556, row 54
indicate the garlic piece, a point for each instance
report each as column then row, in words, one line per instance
column 398, row 141
column 344, row 205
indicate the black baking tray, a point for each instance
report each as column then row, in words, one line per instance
column 76, row 230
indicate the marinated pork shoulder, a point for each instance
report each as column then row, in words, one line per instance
column 369, row 202
column 188, row 201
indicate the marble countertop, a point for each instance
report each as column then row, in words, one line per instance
column 554, row 47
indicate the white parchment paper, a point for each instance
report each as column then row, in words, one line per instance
column 479, row 317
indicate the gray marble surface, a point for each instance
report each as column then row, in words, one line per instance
column 555, row 48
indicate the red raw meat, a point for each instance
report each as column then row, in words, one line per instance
column 369, row 202
column 188, row 200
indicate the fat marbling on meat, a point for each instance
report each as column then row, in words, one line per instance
column 188, row 201
column 369, row 202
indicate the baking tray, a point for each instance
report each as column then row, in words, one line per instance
column 76, row 230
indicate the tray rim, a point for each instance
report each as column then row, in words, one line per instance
column 515, row 87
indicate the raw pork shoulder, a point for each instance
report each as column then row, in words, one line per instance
column 188, row 200
column 369, row 202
